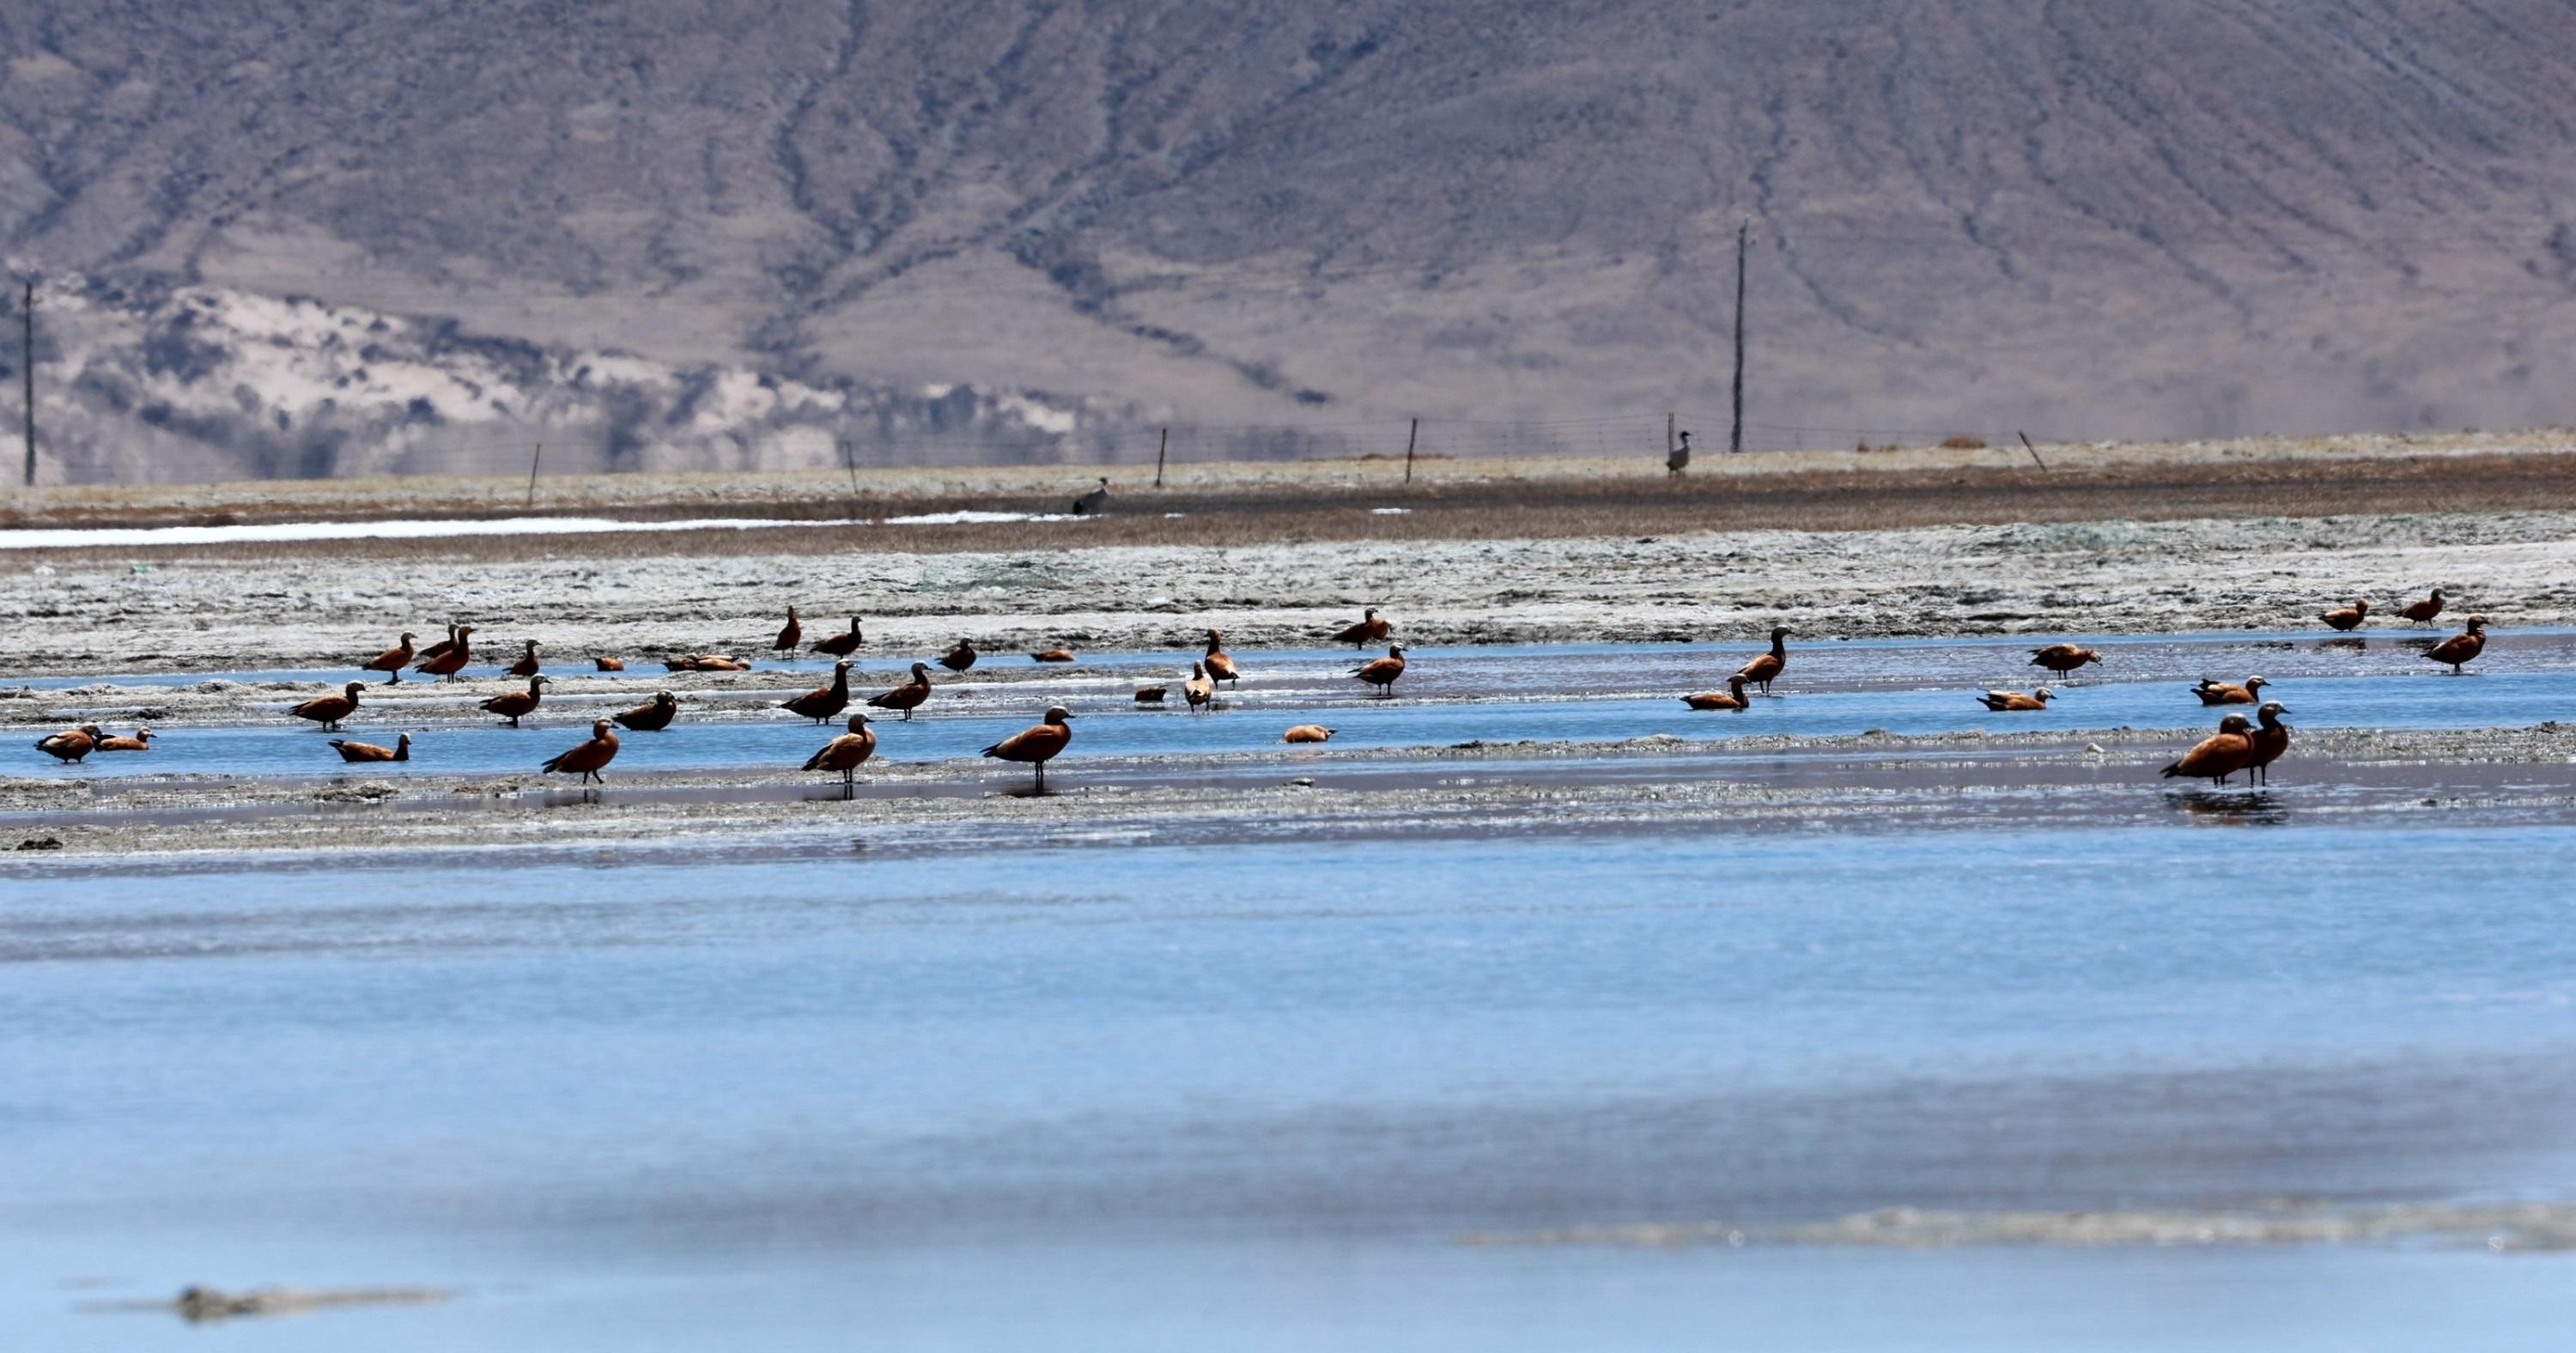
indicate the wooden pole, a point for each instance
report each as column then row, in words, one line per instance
column 1409, row 435
column 850, row 460
column 1668, row 439
column 1159, row 453
column 28, row 361
column 2033, row 450
column 1735, row 440
column 533, row 458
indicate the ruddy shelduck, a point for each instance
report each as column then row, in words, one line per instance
column 392, row 660
column 527, row 665
column 1732, row 697
column 1370, row 630
column 1220, row 666
column 652, row 716
column 960, row 658
column 1382, row 672
column 513, row 705
column 2228, row 693
column 1037, row 745
column 589, row 758
column 443, row 646
column 790, row 635
column 2223, row 754
column 2000, row 701
column 846, row 752
column 1766, row 667
column 72, row 743
column 908, row 696
column 368, row 751
column 2348, row 617
column 446, row 665
column 140, row 742
column 824, row 703
column 2422, row 612
column 707, row 662
column 843, row 644
column 606, row 663
column 1199, row 690
column 1151, row 695
column 2271, row 738
column 2463, row 646
column 1052, row 655
column 2062, row 658
column 329, row 710
column 1307, row 732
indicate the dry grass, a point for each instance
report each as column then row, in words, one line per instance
column 1215, row 512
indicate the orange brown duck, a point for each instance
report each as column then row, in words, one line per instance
column 2348, row 617
column 2422, row 612
column 1370, row 630
column 824, row 703
column 1052, row 655
column 2216, row 757
column 652, row 716
column 588, row 759
column 707, row 662
column 1307, row 732
column 1382, row 672
column 1766, row 667
column 960, row 658
column 1037, row 745
column 392, row 660
column 140, row 742
column 606, row 663
column 2271, row 738
column 514, row 705
column 527, row 665
column 2062, row 658
column 71, row 744
column 1151, row 695
column 790, row 635
column 847, row 752
column 1220, row 666
column 446, row 665
column 368, row 751
column 443, row 646
column 1199, row 690
column 1732, row 697
column 2463, row 646
column 329, row 710
column 908, row 696
column 2228, row 693
column 843, row 644
column 2001, row 701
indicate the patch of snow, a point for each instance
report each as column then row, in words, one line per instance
column 377, row 530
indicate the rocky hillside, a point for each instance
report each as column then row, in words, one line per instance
column 283, row 239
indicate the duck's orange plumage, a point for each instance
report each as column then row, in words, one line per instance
column 393, row 659
column 368, row 751
column 329, row 710
column 513, row 705
column 1370, row 630
column 2062, row 658
column 789, row 636
column 908, row 696
column 843, row 644
column 1732, row 697
column 846, row 752
column 1039, row 745
column 589, row 758
column 1766, row 667
column 824, row 703
column 2270, row 739
column 1382, row 672
column 445, row 665
column 2216, row 757
column 652, row 716
column 2001, row 701
column 2463, row 646
column 2348, row 617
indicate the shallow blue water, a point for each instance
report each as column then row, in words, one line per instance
column 1128, row 1096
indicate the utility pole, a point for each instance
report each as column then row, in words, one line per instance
column 1410, row 434
column 28, row 362
column 850, row 459
column 1735, row 441
column 533, row 457
column 1159, row 452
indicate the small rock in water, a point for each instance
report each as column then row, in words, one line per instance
column 1303, row 782
column 41, row 843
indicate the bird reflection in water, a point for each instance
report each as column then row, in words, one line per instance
column 2232, row 808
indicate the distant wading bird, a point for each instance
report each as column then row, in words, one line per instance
column 393, row 660
column 1220, row 667
column 1370, row 630
column 368, row 751
column 960, row 658
column 2271, row 738
column 589, row 758
column 527, row 665
column 1679, row 459
column 2422, row 612
column 329, row 710
column 445, row 665
column 1094, row 502
column 908, row 696
column 2463, row 646
column 652, row 716
column 846, row 752
column 72, row 743
column 2000, row 701
column 2348, row 617
column 2225, row 693
column 843, row 644
column 512, row 705
column 1382, row 672
column 1732, row 697
column 824, row 703
column 2062, row 658
column 790, row 636
column 2216, row 757
column 1766, row 667
column 1037, row 745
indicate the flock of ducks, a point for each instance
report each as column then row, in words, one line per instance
column 2240, row 745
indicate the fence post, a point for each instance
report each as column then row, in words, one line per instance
column 1409, row 435
column 538, row 455
column 1159, row 452
column 2033, row 450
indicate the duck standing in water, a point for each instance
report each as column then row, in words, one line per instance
column 2271, row 738
column 846, row 752
column 588, row 759
column 2218, row 756
column 1038, row 745
column 1766, row 667
column 2461, row 647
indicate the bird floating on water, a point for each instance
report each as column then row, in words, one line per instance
column 707, row 662
column 1038, row 745
column 1052, row 655
column 908, row 696
column 2463, row 646
column 140, row 742
column 1307, row 732
column 2000, row 701
column 368, row 751
column 1732, row 697
column 589, row 758
column 1151, row 695
column 2228, row 693
column 329, row 710
column 652, row 716
column 2218, row 756
column 610, row 664
column 395, row 659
